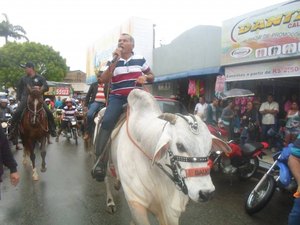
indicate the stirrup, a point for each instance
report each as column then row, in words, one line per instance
column 99, row 171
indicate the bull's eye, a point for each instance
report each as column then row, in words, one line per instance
column 180, row 147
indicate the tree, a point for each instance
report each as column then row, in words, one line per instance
column 47, row 61
column 9, row 30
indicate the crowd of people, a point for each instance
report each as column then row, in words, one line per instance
column 248, row 119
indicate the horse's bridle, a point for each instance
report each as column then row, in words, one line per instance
column 179, row 174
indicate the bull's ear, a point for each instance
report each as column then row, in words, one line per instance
column 162, row 146
column 220, row 145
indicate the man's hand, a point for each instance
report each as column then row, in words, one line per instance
column 14, row 178
column 141, row 79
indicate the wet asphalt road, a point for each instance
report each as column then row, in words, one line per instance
column 67, row 195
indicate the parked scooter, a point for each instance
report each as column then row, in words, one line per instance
column 278, row 175
column 243, row 160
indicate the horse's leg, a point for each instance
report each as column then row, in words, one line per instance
column 110, row 204
column 35, row 175
column 43, row 154
column 26, row 151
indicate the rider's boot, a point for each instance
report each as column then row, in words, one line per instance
column 99, row 169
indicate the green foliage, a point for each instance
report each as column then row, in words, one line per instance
column 47, row 62
column 9, row 30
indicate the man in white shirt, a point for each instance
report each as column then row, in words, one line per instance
column 201, row 108
column 269, row 111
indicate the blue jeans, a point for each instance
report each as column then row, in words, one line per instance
column 294, row 216
column 265, row 136
column 93, row 108
column 113, row 111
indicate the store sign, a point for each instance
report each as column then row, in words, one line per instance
column 270, row 33
column 287, row 68
column 62, row 91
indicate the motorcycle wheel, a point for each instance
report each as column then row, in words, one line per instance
column 249, row 169
column 74, row 131
column 257, row 200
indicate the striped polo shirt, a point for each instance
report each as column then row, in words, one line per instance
column 126, row 73
column 69, row 112
column 100, row 96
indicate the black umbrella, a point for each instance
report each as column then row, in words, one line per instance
column 236, row 92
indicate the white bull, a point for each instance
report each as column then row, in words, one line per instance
column 146, row 142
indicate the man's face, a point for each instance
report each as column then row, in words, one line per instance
column 99, row 79
column 270, row 98
column 3, row 104
column 126, row 44
column 28, row 70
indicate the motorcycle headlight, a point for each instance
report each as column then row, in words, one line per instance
column 73, row 123
column 3, row 124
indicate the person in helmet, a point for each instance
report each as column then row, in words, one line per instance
column 4, row 109
column 69, row 111
column 5, row 114
column 33, row 80
column 12, row 104
column 48, row 104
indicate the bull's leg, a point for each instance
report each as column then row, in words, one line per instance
column 110, row 204
column 139, row 213
column 43, row 154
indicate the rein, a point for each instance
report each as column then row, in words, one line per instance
column 178, row 174
column 35, row 113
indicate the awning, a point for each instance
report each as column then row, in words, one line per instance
column 189, row 74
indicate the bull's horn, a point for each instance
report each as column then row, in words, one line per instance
column 168, row 117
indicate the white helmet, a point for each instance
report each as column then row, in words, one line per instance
column 47, row 100
column 68, row 100
column 4, row 100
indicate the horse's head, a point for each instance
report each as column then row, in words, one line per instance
column 35, row 95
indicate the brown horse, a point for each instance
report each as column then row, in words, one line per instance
column 34, row 128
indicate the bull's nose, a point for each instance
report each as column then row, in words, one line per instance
column 204, row 196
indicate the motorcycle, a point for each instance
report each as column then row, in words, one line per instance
column 243, row 160
column 279, row 175
column 80, row 119
column 5, row 123
column 71, row 130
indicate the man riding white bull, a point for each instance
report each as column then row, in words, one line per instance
column 125, row 71
column 33, row 80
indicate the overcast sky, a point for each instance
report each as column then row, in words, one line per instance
column 70, row 26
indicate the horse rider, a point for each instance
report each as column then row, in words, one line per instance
column 125, row 71
column 34, row 81
column 94, row 101
column 69, row 112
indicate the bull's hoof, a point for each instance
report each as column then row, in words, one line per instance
column 111, row 209
column 43, row 169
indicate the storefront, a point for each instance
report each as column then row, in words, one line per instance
column 191, row 61
column 261, row 51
